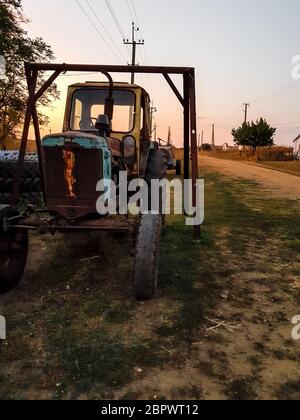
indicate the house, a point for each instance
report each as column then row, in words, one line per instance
column 226, row 147
column 297, row 147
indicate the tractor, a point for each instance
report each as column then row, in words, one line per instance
column 106, row 130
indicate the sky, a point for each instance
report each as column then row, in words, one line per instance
column 242, row 52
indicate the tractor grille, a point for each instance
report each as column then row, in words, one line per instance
column 71, row 176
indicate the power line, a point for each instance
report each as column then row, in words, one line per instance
column 135, row 15
column 97, row 30
column 116, row 20
column 144, row 50
column 104, row 28
column 130, row 11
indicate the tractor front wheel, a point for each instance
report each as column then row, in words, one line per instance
column 147, row 256
column 13, row 251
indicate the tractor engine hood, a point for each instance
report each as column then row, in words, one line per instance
column 74, row 163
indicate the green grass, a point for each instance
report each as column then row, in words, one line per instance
column 190, row 270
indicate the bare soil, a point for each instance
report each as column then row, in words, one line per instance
column 276, row 183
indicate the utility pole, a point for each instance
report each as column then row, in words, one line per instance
column 202, row 138
column 245, row 109
column 153, row 109
column 169, row 136
column 134, row 43
column 213, row 141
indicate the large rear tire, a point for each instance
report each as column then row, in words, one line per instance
column 178, row 167
column 30, row 181
column 148, row 238
column 30, row 188
column 147, row 256
column 13, row 251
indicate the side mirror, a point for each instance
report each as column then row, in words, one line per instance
column 103, row 125
column 129, row 150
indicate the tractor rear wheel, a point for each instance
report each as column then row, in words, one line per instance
column 13, row 251
column 147, row 256
column 30, row 188
column 178, row 167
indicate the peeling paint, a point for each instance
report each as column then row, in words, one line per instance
column 69, row 159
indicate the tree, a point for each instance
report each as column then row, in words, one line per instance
column 206, row 147
column 254, row 135
column 17, row 47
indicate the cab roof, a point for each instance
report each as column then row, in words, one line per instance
column 106, row 84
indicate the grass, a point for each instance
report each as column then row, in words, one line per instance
column 85, row 334
column 291, row 167
column 289, row 391
column 241, row 390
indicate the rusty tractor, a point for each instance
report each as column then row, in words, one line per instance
column 106, row 130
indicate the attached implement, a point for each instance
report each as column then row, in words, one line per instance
column 106, row 131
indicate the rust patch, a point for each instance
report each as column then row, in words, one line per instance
column 69, row 159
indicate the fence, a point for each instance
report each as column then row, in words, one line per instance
column 14, row 155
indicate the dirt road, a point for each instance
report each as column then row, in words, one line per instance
column 276, row 183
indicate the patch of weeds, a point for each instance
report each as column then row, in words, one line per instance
column 260, row 348
column 257, row 363
column 294, row 244
column 184, row 278
column 95, row 358
column 290, row 391
column 190, row 392
column 130, row 395
column 209, row 370
column 16, row 348
column 112, row 312
column 241, row 390
column 285, row 355
column 118, row 313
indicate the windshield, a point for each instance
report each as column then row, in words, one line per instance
column 88, row 104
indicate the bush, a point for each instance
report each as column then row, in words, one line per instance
column 206, row 147
column 274, row 154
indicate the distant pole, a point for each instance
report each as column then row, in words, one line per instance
column 202, row 138
column 213, row 141
column 155, row 132
column 245, row 109
column 199, row 142
column 134, row 43
column 169, row 136
column 152, row 111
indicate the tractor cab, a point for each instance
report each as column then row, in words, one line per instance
column 130, row 115
column 106, row 130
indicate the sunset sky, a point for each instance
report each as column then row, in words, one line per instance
column 242, row 52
